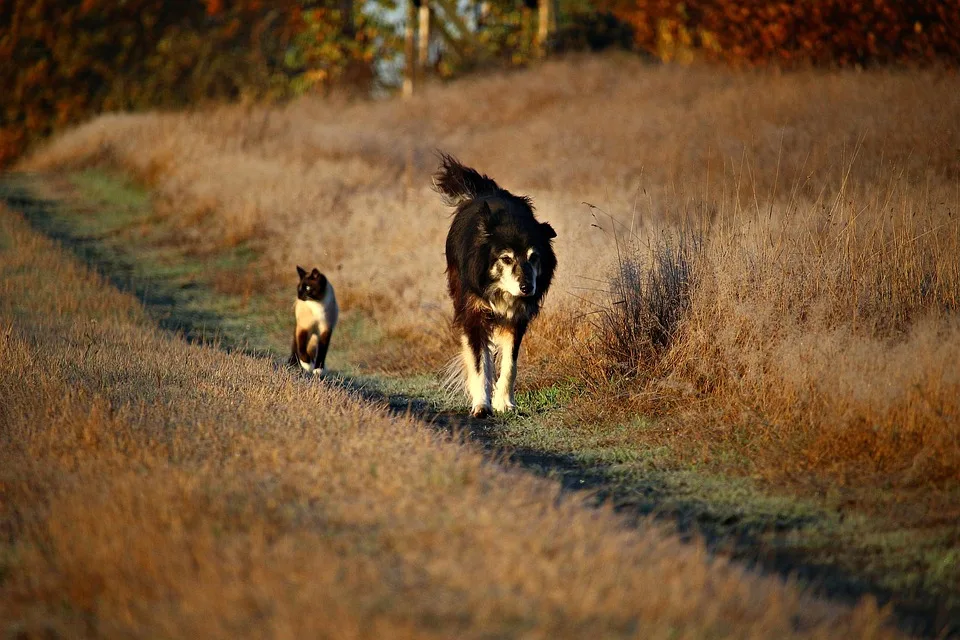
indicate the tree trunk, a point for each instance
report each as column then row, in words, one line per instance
column 409, row 49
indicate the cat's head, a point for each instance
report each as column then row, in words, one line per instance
column 313, row 284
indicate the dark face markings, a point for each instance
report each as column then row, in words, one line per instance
column 312, row 286
column 516, row 269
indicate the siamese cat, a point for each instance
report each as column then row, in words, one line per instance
column 316, row 311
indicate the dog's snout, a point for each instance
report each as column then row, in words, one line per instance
column 528, row 284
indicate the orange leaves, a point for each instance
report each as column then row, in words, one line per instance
column 758, row 32
column 68, row 109
column 11, row 143
column 62, row 61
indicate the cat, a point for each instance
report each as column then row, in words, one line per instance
column 316, row 312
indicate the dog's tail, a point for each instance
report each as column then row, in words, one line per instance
column 453, row 378
column 457, row 183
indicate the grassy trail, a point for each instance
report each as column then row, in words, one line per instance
column 150, row 486
column 109, row 224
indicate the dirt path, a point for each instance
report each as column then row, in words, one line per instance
column 750, row 540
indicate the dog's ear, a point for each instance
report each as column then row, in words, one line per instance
column 301, row 271
column 315, row 273
column 488, row 218
column 548, row 230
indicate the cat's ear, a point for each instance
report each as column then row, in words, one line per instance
column 301, row 271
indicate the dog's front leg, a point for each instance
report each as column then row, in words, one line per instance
column 479, row 365
column 508, row 343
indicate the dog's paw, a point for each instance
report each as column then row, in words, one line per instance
column 480, row 412
column 318, row 372
column 504, row 405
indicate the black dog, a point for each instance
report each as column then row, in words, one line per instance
column 500, row 262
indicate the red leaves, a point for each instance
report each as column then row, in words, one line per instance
column 836, row 32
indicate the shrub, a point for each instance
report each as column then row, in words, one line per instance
column 647, row 301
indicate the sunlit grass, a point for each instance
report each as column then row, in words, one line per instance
column 150, row 486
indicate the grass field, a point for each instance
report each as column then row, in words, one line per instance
column 150, row 487
column 756, row 313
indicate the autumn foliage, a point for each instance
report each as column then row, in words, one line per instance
column 62, row 61
column 819, row 32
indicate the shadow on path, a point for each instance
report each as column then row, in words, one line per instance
column 727, row 535
column 178, row 308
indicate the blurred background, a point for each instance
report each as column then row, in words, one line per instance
column 62, row 61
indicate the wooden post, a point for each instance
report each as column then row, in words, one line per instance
column 346, row 18
column 423, row 54
column 544, row 23
column 409, row 49
column 529, row 44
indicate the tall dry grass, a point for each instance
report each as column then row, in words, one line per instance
column 836, row 323
column 828, row 330
column 153, row 488
column 822, row 325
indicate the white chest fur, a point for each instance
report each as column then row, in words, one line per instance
column 317, row 316
column 506, row 306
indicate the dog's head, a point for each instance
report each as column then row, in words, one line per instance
column 313, row 284
column 519, row 253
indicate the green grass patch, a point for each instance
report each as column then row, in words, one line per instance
column 111, row 224
column 546, row 399
column 114, row 194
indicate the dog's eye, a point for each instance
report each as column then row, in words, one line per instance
column 306, row 288
column 534, row 258
column 506, row 259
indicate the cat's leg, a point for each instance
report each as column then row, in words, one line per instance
column 324, row 344
column 294, row 361
column 304, row 356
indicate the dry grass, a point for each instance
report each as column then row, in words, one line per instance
column 828, row 330
column 820, row 336
column 153, row 488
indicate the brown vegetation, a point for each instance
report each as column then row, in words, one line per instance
column 821, row 326
column 150, row 487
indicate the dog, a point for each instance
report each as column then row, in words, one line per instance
column 500, row 262
column 316, row 313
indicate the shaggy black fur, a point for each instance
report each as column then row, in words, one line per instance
column 488, row 220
